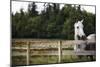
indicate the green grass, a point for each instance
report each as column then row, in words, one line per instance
column 19, row 60
column 71, row 59
column 43, row 59
column 47, row 59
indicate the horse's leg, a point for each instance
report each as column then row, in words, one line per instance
column 76, row 49
column 87, row 48
column 92, row 47
column 80, row 47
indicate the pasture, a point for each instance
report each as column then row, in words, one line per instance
column 46, row 51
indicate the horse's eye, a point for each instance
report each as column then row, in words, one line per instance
column 77, row 27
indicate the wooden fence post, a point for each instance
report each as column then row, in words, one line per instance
column 27, row 54
column 59, row 51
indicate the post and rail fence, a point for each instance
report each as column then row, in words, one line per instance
column 49, row 47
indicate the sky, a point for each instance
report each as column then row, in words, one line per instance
column 16, row 6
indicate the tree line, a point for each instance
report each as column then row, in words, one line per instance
column 52, row 22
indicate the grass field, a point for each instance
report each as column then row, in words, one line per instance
column 44, row 59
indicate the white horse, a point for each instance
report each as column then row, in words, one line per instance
column 80, row 35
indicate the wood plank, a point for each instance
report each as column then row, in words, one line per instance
column 52, row 43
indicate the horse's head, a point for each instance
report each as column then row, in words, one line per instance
column 79, row 30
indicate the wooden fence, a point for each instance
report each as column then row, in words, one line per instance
column 31, row 47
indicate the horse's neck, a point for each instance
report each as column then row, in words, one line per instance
column 75, row 37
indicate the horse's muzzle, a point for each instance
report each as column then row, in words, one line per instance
column 83, row 38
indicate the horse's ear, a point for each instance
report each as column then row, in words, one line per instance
column 82, row 20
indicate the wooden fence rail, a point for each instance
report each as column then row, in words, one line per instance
column 48, row 47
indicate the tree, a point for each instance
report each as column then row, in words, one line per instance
column 32, row 9
column 52, row 22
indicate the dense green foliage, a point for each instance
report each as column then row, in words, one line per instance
column 51, row 22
